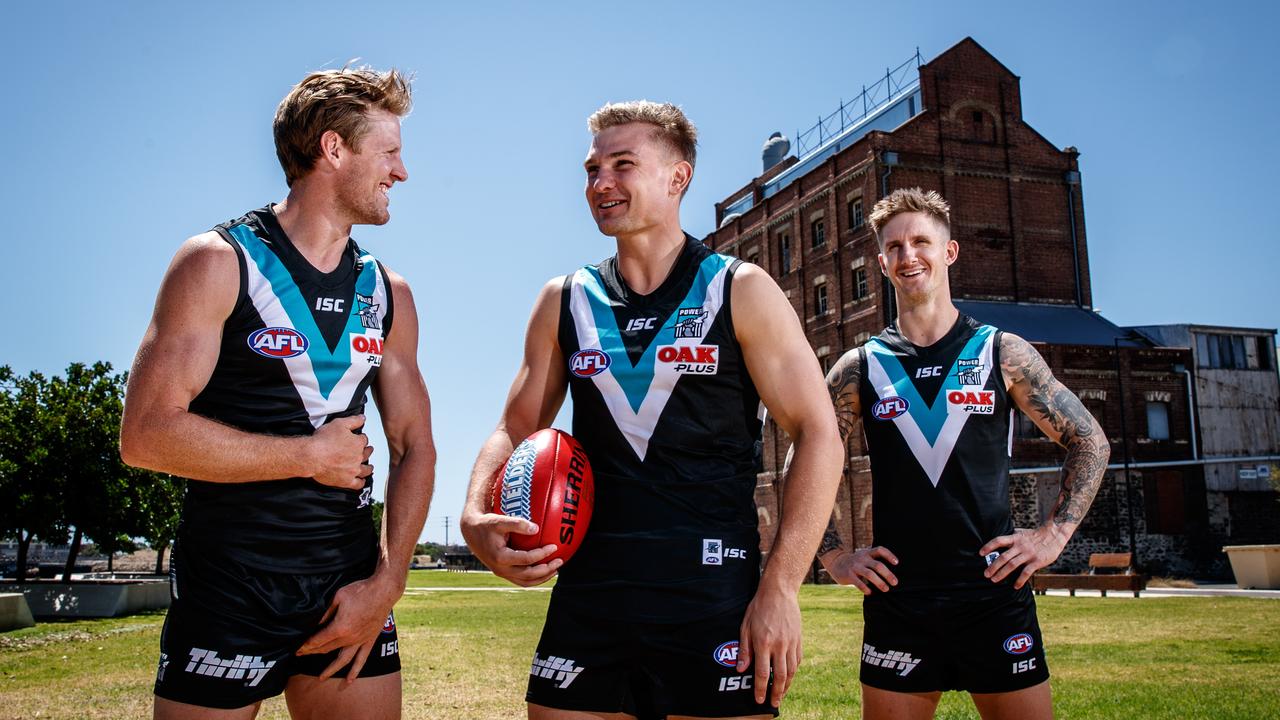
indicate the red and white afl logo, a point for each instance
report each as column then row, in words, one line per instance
column 727, row 654
column 589, row 362
column 1019, row 644
column 890, row 408
column 278, row 342
column 390, row 624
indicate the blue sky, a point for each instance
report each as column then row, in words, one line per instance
column 131, row 126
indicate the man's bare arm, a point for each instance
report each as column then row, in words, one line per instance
column 173, row 365
column 1065, row 420
column 863, row 568
column 786, row 373
column 535, row 397
column 842, row 384
column 359, row 609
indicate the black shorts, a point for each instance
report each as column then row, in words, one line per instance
column 648, row 670
column 980, row 642
column 231, row 632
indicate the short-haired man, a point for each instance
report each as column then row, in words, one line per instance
column 251, row 381
column 948, row 606
column 663, row 609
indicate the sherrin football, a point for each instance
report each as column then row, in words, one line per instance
column 548, row 481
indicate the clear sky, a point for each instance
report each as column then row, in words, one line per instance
column 128, row 127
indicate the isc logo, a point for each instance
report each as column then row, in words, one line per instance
column 586, row 363
column 691, row 359
column 981, row 402
column 278, row 342
column 635, row 324
column 726, row 654
column 890, row 408
column 1019, row 644
column 927, row 372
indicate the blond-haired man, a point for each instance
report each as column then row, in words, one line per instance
column 668, row 350
column 251, row 381
column 948, row 606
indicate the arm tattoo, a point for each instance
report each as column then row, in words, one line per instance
column 842, row 383
column 830, row 539
column 1049, row 403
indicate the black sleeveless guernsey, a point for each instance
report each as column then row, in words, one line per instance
column 937, row 422
column 670, row 419
column 299, row 349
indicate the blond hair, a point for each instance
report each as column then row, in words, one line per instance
column 337, row 100
column 905, row 200
column 669, row 122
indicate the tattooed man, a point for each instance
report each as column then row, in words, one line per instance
column 948, row 606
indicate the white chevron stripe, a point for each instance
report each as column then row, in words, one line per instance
column 637, row 427
column 300, row 370
column 932, row 458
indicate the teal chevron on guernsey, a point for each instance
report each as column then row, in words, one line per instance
column 324, row 377
column 636, row 393
column 930, row 429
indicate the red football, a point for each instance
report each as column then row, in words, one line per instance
column 547, row 480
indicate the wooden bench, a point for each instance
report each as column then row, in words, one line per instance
column 1125, row 579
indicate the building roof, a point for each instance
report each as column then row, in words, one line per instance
column 1053, row 324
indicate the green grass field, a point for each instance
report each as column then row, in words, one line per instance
column 466, row 657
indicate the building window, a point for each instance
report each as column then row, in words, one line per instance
column 860, row 289
column 855, row 213
column 1165, row 495
column 820, row 299
column 784, row 252
column 1158, row 420
column 819, row 233
column 1098, row 409
column 1234, row 352
column 754, row 258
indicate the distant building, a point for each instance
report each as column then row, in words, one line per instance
column 955, row 125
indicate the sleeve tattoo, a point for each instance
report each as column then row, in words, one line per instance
column 1055, row 408
column 842, row 383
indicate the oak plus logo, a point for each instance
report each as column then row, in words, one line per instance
column 690, row 359
column 973, row 402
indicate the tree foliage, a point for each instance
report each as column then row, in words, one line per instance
column 60, row 467
column 30, row 503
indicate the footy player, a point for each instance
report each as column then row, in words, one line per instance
column 251, row 381
column 668, row 350
column 948, row 606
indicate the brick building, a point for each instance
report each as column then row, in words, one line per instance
column 955, row 125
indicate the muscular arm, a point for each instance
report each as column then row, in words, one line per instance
column 359, row 609
column 534, row 399
column 863, row 568
column 1064, row 419
column 405, row 408
column 786, row 373
column 174, row 363
column 842, row 385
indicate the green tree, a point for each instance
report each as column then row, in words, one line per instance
column 377, row 508
column 30, row 503
column 162, row 498
column 98, row 499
